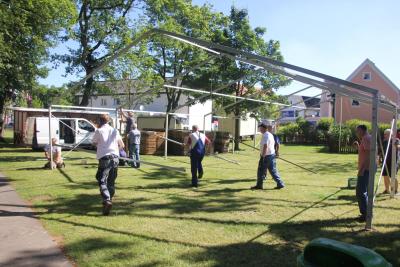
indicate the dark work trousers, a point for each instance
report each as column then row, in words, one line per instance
column 134, row 150
column 107, row 172
column 268, row 163
column 362, row 192
column 196, row 166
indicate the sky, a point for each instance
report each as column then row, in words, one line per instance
column 329, row 36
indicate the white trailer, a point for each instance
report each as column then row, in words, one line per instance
column 68, row 131
column 248, row 126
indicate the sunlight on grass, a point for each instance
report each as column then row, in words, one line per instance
column 158, row 220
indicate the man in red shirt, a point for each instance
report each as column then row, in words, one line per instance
column 363, row 146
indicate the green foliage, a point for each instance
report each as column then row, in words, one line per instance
column 352, row 125
column 102, row 28
column 28, row 29
column 324, row 124
column 173, row 58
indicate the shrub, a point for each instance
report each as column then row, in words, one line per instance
column 325, row 124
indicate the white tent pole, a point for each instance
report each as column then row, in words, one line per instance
column 116, row 119
column 394, row 156
column 340, row 123
column 255, row 132
column 50, row 139
column 372, row 161
column 166, row 136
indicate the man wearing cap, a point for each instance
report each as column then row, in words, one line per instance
column 197, row 144
column 267, row 159
column 108, row 142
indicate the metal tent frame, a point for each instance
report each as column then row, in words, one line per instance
column 312, row 78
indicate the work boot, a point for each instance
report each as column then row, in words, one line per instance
column 257, row 187
column 279, row 187
column 201, row 175
column 107, row 206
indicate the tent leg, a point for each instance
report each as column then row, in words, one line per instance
column 50, row 139
column 372, row 162
column 394, row 162
column 166, row 136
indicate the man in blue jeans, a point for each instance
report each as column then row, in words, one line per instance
column 108, row 142
column 134, row 145
column 267, row 160
column 197, row 148
column 363, row 147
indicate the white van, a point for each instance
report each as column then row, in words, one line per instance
column 69, row 131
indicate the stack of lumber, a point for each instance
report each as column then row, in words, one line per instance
column 151, row 143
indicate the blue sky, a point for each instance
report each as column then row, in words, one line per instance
column 330, row 36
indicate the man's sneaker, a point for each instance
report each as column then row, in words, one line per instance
column 256, row 187
column 279, row 187
column 201, row 175
column 107, row 206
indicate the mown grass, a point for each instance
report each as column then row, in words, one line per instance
column 158, row 220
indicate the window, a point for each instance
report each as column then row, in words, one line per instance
column 85, row 125
column 355, row 103
column 103, row 102
column 287, row 114
column 117, row 102
column 366, row 76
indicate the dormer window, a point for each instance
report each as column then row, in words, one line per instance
column 355, row 103
column 366, row 76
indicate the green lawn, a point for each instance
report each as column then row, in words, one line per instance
column 158, row 220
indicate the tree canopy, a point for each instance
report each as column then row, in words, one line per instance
column 27, row 29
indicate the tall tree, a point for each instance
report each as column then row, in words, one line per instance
column 102, row 28
column 27, row 29
column 175, row 58
column 240, row 35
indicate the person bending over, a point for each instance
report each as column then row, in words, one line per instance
column 197, row 148
column 134, row 145
column 108, row 142
column 387, row 169
column 267, row 160
column 57, row 159
column 363, row 146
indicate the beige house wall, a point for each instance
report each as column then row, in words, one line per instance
column 344, row 110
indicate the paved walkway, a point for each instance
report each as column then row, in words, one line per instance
column 23, row 240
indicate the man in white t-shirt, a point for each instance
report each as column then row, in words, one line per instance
column 267, row 159
column 57, row 159
column 108, row 142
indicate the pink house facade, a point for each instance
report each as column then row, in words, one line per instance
column 343, row 108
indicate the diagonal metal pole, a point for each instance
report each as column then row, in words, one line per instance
column 119, row 53
column 220, row 88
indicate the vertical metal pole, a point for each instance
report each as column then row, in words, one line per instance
column 394, row 156
column 255, row 133
column 204, row 123
column 341, row 121
column 166, row 136
column 372, row 161
column 50, row 137
column 234, row 135
column 116, row 118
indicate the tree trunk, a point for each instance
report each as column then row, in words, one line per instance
column 87, row 92
column 2, row 123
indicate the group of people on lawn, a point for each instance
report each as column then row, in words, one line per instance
column 109, row 145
